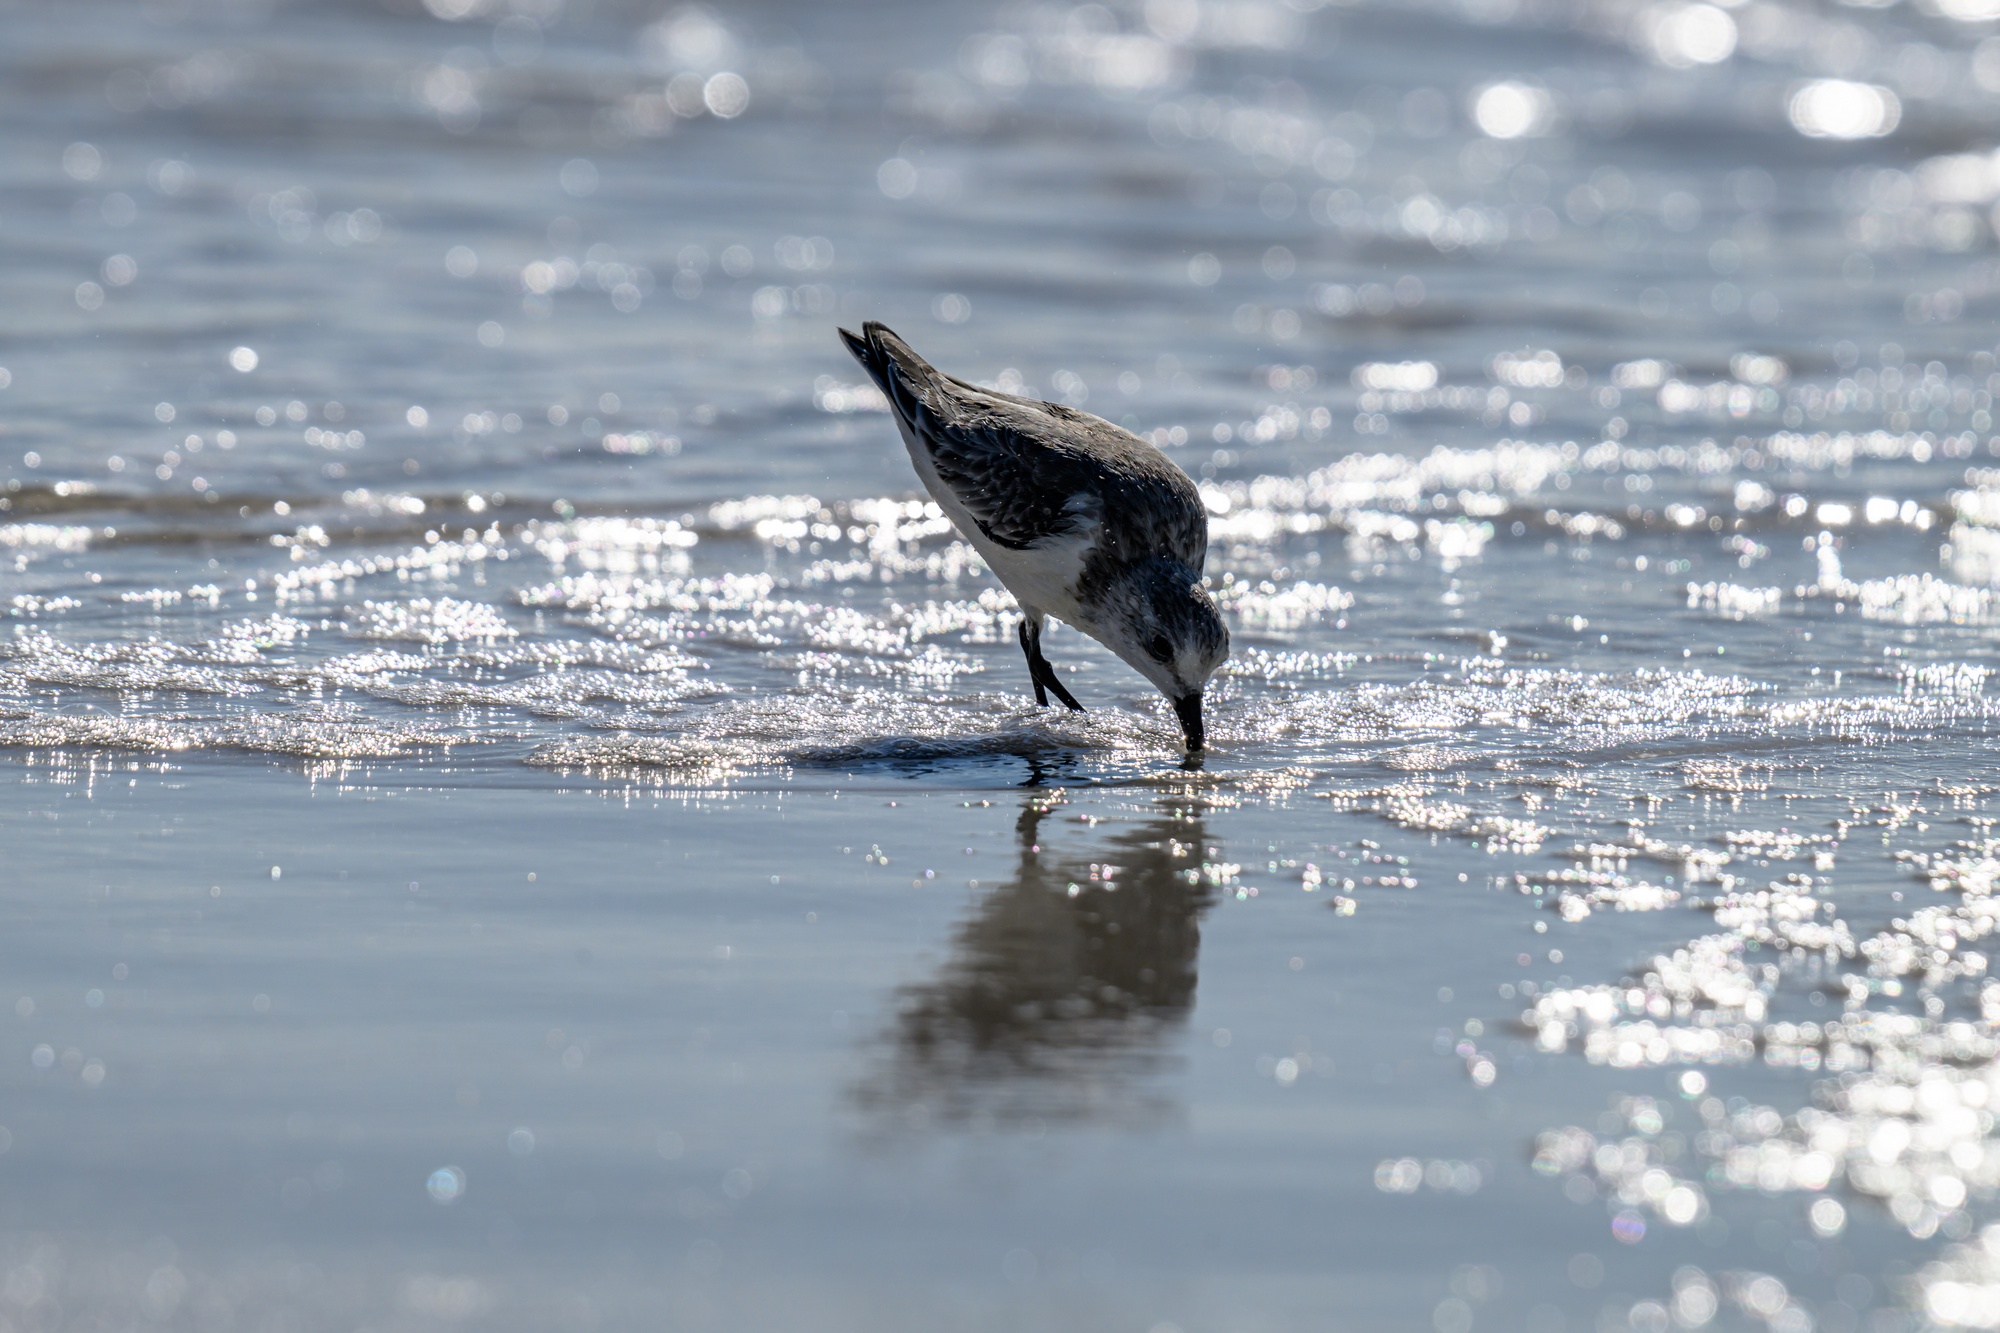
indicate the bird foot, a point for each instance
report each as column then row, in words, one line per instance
column 1041, row 673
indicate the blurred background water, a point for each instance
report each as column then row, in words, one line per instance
column 519, row 814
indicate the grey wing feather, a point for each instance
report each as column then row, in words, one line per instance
column 1029, row 471
column 1017, row 489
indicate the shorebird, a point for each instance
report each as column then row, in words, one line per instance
column 1082, row 521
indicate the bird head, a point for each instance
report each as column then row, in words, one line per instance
column 1165, row 626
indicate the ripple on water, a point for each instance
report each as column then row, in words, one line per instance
column 1902, row 1120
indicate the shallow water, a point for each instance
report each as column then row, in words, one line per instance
column 519, row 815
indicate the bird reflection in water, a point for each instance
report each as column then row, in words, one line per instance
column 1064, row 990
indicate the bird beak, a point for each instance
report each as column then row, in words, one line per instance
column 1188, row 709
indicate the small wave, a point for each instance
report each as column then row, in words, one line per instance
column 855, row 730
column 304, row 737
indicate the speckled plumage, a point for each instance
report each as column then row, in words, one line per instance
column 1080, row 519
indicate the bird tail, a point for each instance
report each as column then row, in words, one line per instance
column 900, row 373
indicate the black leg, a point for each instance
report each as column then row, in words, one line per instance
column 1030, row 644
column 1069, row 700
column 1039, row 668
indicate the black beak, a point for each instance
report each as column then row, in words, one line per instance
column 1188, row 709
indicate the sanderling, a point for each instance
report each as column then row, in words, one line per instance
column 1082, row 521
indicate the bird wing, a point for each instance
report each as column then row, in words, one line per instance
column 1028, row 472
column 1019, row 491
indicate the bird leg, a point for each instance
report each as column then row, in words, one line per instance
column 1039, row 670
column 1032, row 646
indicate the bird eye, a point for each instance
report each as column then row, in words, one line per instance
column 1159, row 648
